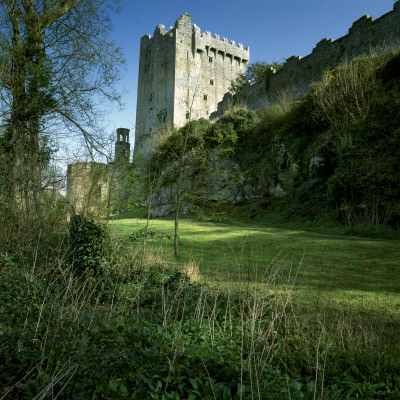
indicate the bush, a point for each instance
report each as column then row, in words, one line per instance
column 90, row 246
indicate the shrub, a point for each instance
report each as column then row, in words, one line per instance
column 90, row 246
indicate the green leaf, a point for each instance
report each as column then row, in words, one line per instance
column 194, row 383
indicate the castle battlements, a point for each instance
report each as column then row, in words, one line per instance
column 206, row 38
column 201, row 39
column 205, row 42
column 183, row 75
column 298, row 73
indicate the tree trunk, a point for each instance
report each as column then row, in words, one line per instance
column 176, row 236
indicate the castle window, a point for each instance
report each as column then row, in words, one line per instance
column 162, row 116
column 210, row 59
column 187, row 115
column 212, row 82
column 205, row 97
column 151, row 108
column 151, row 97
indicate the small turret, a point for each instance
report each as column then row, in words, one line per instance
column 122, row 146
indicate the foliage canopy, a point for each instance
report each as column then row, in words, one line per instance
column 254, row 73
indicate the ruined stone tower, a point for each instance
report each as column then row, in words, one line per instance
column 122, row 146
column 183, row 75
column 91, row 185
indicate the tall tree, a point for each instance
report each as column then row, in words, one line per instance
column 57, row 64
column 254, row 73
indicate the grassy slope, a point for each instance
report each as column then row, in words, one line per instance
column 356, row 275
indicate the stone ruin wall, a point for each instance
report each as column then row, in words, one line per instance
column 90, row 184
column 87, row 187
column 293, row 81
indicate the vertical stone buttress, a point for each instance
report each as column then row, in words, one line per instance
column 183, row 75
column 155, row 98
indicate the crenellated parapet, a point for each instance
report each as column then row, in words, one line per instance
column 183, row 75
column 205, row 41
column 201, row 40
column 365, row 35
column 361, row 24
column 159, row 33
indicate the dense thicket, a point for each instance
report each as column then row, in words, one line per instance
column 334, row 152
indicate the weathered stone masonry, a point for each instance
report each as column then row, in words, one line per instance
column 89, row 184
column 183, row 74
column 293, row 81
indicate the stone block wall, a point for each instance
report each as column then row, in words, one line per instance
column 183, row 75
column 297, row 74
column 87, row 187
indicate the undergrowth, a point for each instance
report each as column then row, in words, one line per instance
column 141, row 330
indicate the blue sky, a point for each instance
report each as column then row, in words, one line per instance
column 272, row 28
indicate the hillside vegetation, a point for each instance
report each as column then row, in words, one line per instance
column 330, row 156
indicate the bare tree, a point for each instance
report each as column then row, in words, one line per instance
column 57, row 64
column 192, row 170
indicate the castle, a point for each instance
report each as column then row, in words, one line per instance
column 183, row 75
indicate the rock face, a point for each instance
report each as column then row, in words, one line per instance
column 183, row 74
column 220, row 181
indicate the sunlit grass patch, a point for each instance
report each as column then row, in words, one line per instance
column 358, row 275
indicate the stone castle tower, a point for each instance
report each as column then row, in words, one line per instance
column 183, row 75
column 90, row 185
column 122, row 146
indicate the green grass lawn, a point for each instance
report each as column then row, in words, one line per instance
column 358, row 276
